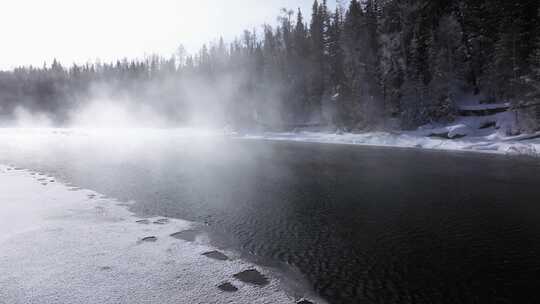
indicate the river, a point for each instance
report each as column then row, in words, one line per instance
column 360, row 224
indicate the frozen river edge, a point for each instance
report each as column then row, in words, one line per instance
column 63, row 244
column 493, row 143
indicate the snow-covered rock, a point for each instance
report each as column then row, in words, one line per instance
column 457, row 131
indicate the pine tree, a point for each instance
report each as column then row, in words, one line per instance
column 391, row 60
column 362, row 91
column 352, row 44
column 317, row 76
column 445, row 51
column 335, row 52
column 531, row 88
column 413, row 91
column 535, row 60
column 300, row 65
column 371, row 58
column 476, row 41
column 336, row 73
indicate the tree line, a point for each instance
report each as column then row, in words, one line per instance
column 373, row 64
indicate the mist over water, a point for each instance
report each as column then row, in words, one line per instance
column 192, row 104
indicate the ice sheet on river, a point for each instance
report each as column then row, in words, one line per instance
column 62, row 246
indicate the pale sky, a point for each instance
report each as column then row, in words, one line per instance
column 34, row 31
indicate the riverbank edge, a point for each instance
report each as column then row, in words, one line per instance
column 47, row 245
column 510, row 146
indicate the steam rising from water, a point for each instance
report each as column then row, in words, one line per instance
column 107, row 113
column 170, row 101
column 27, row 119
column 159, row 104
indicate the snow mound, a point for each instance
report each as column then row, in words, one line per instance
column 450, row 132
column 460, row 130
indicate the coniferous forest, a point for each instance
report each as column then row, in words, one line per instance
column 370, row 64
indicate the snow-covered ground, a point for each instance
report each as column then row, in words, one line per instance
column 60, row 244
column 480, row 134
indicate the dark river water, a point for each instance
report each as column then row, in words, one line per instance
column 361, row 224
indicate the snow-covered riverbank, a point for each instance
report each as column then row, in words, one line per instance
column 478, row 131
column 485, row 144
column 62, row 244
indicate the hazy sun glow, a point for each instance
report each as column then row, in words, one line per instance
column 35, row 31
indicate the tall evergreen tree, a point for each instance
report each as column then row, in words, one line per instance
column 299, row 66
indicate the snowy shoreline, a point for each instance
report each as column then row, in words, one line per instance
column 63, row 244
column 412, row 140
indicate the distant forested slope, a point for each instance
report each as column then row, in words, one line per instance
column 372, row 64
